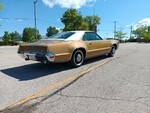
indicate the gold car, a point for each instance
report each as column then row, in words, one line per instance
column 71, row 46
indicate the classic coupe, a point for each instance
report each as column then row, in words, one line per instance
column 71, row 46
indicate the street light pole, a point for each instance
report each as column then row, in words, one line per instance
column 130, row 32
column 115, row 29
column 35, row 1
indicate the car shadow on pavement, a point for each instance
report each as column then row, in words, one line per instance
column 33, row 71
column 37, row 70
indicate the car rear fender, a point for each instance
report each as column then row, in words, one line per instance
column 77, row 46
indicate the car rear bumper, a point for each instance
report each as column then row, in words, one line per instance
column 37, row 56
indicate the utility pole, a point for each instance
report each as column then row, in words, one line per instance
column 35, row 1
column 95, row 27
column 131, row 31
column 107, row 35
column 115, row 22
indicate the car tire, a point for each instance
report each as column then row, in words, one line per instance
column 77, row 58
column 112, row 52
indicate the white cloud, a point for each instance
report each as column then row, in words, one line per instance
column 68, row 3
column 58, row 19
column 143, row 22
column 59, row 28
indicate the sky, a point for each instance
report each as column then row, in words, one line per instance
column 19, row 14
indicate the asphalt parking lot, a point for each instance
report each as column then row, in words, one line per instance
column 113, row 85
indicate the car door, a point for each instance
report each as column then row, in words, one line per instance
column 95, row 44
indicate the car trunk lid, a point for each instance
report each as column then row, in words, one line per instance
column 40, row 46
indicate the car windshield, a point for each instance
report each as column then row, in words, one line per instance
column 62, row 35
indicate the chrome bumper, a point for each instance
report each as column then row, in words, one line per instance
column 38, row 56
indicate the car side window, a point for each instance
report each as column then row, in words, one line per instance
column 89, row 36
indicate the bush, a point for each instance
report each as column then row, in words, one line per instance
column 138, row 40
column 1, row 43
column 11, row 43
column 133, row 40
column 16, row 43
column 144, row 40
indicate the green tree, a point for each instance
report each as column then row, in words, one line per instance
column 1, row 6
column 6, row 37
column 51, row 30
column 84, row 26
column 120, row 35
column 92, row 21
column 148, row 34
column 14, row 36
column 29, row 35
column 73, row 21
column 142, row 32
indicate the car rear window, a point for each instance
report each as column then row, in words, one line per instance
column 62, row 35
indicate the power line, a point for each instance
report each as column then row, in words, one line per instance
column 46, row 21
column 5, row 18
column 16, row 18
column 105, row 30
column 40, row 1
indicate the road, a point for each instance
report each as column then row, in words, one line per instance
column 112, row 85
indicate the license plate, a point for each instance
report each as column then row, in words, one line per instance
column 31, row 57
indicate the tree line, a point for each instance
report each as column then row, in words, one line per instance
column 142, row 34
column 72, row 20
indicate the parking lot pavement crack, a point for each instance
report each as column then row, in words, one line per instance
column 8, row 108
column 140, row 100
column 137, row 100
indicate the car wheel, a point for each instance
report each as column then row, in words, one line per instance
column 77, row 58
column 112, row 52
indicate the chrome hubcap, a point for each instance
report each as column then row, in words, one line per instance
column 79, row 58
column 113, row 51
